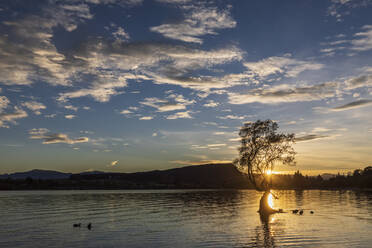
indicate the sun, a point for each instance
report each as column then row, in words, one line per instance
column 269, row 172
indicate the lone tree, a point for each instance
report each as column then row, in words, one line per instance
column 261, row 149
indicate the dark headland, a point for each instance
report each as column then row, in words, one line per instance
column 208, row 176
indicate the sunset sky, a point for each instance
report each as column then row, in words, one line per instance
column 132, row 85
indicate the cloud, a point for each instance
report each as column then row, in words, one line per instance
column 126, row 112
column 204, row 84
column 286, row 93
column 34, row 106
column 161, row 63
column 114, row 163
column 310, row 137
column 353, row 105
column 359, row 81
column 102, row 89
column 232, row 117
column 320, row 129
column 38, row 131
column 215, row 145
column 73, row 108
column 363, row 40
column 171, row 103
column 211, row 104
column 146, row 118
column 53, row 138
column 198, row 21
column 174, row 1
column 70, row 117
column 121, row 34
column 286, row 66
column 6, row 118
column 28, row 55
column 27, row 52
column 4, row 103
column 340, row 8
column 180, row 115
column 50, row 116
column 200, row 162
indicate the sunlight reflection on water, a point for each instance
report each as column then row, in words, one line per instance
column 183, row 218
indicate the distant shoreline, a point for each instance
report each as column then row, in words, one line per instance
column 209, row 176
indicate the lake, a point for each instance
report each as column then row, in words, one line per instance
column 183, row 218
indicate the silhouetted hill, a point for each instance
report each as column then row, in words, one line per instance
column 45, row 174
column 199, row 176
column 37, row 174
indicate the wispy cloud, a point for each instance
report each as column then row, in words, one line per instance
column 353, row 105
column 4, row 103
column 286, row 93
column 363, row 40
column 70, row 117
column 146, row 118
column 200, row 162
column 170, row 103
column 114, row 163
column 310, row 137
column 359, row 81
column 340, row 8
column 34, row 106
column 180, row 115
column 53, row 138
column 9, row 118
column 120, row 34
column 198, row 21
column 211, row 104
column 71, row 107
column 286, row 66
column 232, row 117
column 126, row 112
column 216, row 145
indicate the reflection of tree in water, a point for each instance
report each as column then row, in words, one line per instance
column 270, row 228
column 264, row 235
column 299, row 196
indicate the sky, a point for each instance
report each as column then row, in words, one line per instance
column 138, row 85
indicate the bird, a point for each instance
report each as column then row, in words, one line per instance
column 77, row 225
column 89, row 226
column 301, row 212
column 311, row 212
column 295, row 211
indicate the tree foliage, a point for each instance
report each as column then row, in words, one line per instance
column 261, row 149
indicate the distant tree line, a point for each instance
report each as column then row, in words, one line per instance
column 358, row 179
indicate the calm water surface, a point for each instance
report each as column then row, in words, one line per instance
column 183, row 218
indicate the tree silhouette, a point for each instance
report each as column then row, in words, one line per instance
column 261, row 149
